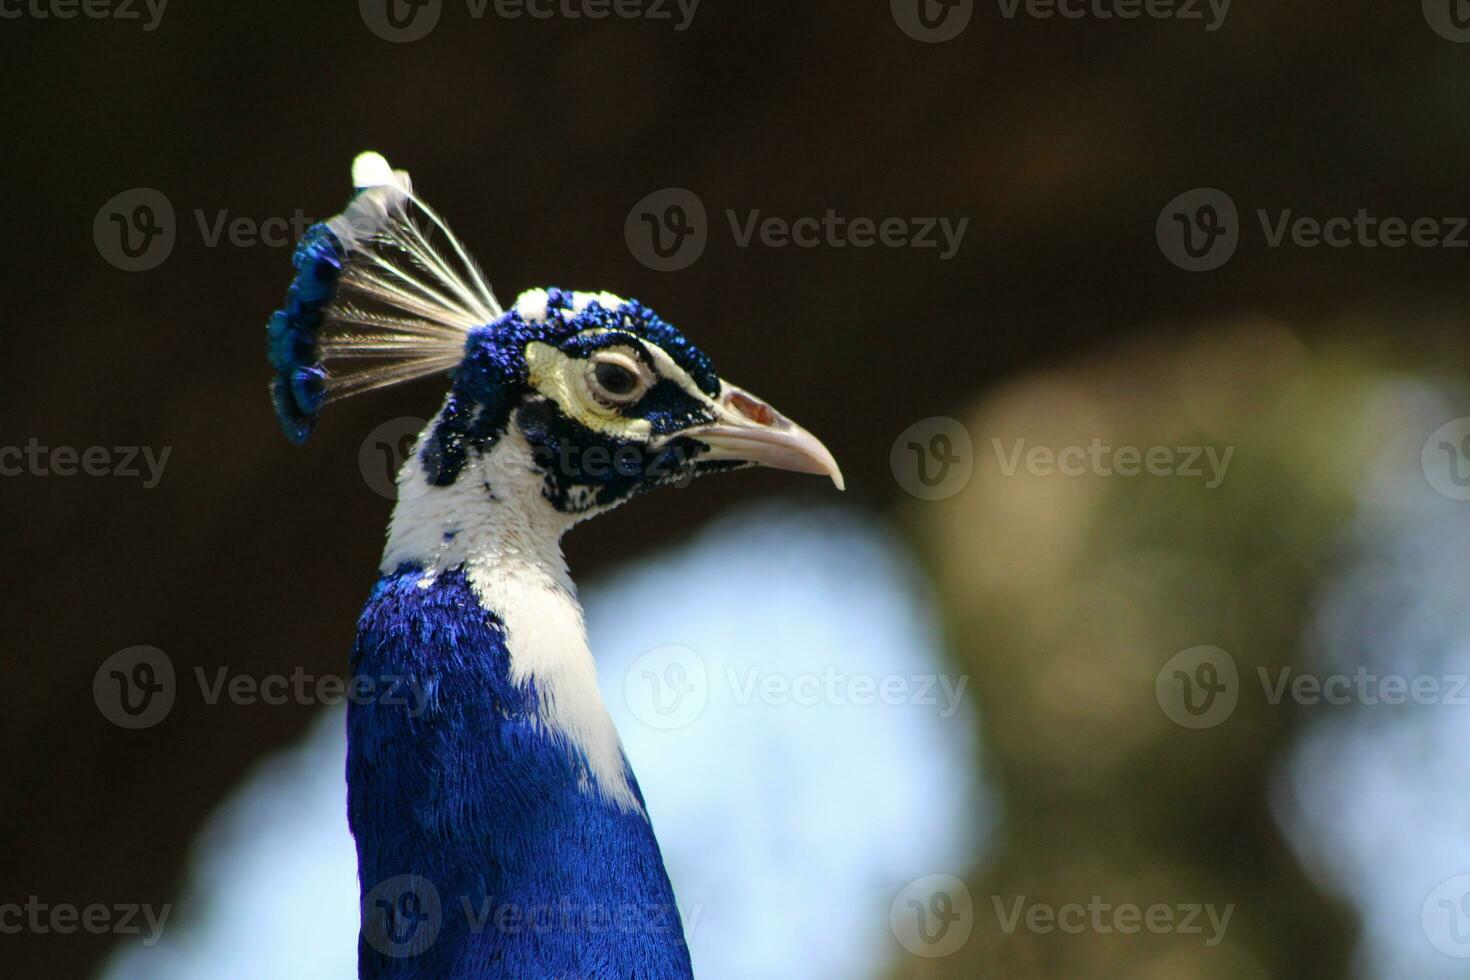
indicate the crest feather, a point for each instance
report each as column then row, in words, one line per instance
column 384, row 286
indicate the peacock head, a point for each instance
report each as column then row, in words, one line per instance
column 574, row 402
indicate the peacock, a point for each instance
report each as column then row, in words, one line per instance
column 500, row 831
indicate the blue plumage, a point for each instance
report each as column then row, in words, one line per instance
column 534, row 878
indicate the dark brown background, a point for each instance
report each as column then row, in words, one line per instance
column 1059, row 140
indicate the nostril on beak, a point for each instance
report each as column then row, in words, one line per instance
column 756, row 411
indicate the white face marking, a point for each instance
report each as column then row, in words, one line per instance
column 510, row 547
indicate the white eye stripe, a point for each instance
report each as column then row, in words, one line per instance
column 669, row 369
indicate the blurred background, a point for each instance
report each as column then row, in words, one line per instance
column 1153, row 396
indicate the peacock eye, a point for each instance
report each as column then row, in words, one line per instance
column 617, row 378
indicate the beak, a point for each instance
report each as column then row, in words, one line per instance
column 748, row 430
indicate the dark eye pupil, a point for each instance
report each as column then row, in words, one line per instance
column 616, row 379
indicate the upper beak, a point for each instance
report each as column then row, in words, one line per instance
column 750, row 431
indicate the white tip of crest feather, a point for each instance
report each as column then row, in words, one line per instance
column 371, row 169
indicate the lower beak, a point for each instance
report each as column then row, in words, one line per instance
column 748, row 430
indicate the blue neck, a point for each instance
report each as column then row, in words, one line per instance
column 482, row 849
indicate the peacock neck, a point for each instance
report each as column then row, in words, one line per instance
column 508, row 791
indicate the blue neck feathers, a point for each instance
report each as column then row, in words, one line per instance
column 484, row 848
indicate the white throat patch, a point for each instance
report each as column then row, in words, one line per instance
column 510, row 547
